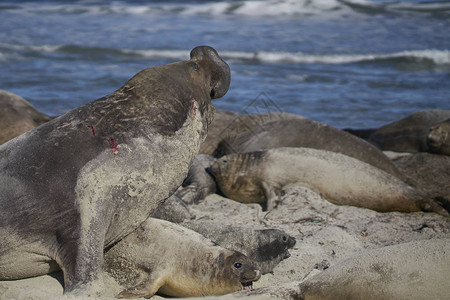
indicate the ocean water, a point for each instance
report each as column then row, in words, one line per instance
column 352, row 63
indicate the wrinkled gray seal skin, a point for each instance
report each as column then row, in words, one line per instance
column 17, row 116
column 410, row 133
column 199, row 183
column 310, row 134
column 266, row 247
column 415, row 271
column 165, row 257
column 438, row 138
column 227, row 125
column 261, row 176
column 88, row 178
column 431, row 172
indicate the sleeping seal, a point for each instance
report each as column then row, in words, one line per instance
column 310, row 134
column 414, row 271
column 17, row 116
column 260, row 176
column 84, row 180
column 165, row 257
column 410, row 133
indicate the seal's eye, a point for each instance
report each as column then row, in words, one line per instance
column 195, row 67
column 284, row 238
column 237, row 265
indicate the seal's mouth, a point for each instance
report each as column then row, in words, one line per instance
column 247, row 285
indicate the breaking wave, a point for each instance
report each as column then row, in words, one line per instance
column 436, row 57
column 255, row 8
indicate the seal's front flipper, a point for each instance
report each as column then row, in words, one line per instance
column 273, row 198
column 145, row 289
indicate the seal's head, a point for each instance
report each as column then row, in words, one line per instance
column 438, row 138
column 239, row 270
column 204, row 57
column 237, row 176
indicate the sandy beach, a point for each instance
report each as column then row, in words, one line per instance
column 326, row 234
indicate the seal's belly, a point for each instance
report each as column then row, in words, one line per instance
column 21, row 259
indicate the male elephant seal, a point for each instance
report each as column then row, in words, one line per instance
column 410, row 133
column 414, row 271
column 438, row 138
column 17, row 116
column 260, row 176
column 86, row 179
column 165, row 257
column 310, row 134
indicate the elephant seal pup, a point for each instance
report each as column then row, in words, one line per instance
column 310, row 134
column 260, row 176
column 165, row 257
column 410, row 133
column 17, row 116
column 438, row 138
column 199, row 183
column 414, row 270
column 266, row 247
column 84, row 180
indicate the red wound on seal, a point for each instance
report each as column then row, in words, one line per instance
column 93, row 131
column 91, row 127
column 113, row 145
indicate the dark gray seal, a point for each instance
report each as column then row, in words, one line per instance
column 310, row 134
column 410, row 133
column 228, row 125
column 438, row 138
column 431, row 172
column 17, row 116
column 415, row 271
column 266, row 247
column 175, row 261
column 261, row 176
column 83, row 181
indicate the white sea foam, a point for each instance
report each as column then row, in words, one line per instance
column 438, row 57
column 254, row 8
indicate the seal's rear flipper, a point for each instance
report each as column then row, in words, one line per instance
column 145, row 289
column 431, row 205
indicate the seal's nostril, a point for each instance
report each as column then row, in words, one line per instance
column 212, row 94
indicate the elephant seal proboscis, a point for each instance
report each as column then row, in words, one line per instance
column 17, row 116
column 410, row 133
column 438, row 138
column 310, row 134
column 416, row 270
column 260, row 176
column 176, row 261
column 83, row 181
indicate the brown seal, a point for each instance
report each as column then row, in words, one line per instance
column 310, row 134
column 165, row 257
column 415, row 271
column 261, row 176
column 438, row 138
column 84, row 180
column 410, row 133
column 17, row 116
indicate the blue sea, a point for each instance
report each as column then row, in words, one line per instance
column 352, row 63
